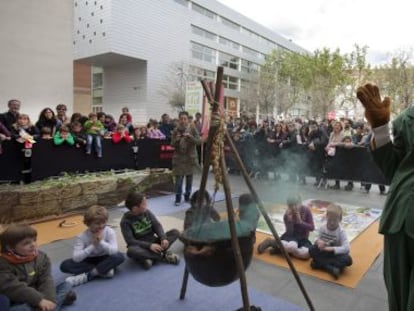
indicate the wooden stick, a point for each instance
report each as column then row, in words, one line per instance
column 267, row 219
column 233, row 234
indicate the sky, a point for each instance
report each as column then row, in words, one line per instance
column 384, row 26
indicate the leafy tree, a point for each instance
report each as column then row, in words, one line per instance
column 396, row 79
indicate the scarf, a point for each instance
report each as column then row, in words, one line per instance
column 14, row 258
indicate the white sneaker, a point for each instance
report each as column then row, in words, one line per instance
column 76, row 280
column 109, row 274
column 172, row 258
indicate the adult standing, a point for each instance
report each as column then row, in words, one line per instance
column 166, row 126
column 184, row 138
column 395, row 159
column 10, row 117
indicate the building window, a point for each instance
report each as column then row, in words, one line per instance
column 203, row 53
column 250, row 51
column 197, row 73
column 182, row 2
column 230, row 82
column 249, row 67
column 229, row 43
column 203, row 11
column 229, row 61
column 203, row 33
column 230, row 24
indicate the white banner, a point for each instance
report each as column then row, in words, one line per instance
column 193, row 97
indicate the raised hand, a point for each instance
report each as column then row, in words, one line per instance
column 377, row 112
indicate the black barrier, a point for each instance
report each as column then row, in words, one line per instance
column 47, row 160
column 354, row 164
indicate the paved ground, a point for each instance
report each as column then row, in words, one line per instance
column 370, row 293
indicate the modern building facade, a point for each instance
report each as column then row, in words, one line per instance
column 36, row 54
column 136, row 42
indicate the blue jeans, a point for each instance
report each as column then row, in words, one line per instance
column 96, row 140
column 61, row 291
column 179, row 187
column 102, row 264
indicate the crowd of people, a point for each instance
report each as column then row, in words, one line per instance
column 259, row 144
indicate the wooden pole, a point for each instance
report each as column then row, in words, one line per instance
column 267, row 219
column 233, row 234
column 206, row 165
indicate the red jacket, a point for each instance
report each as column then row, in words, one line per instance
column 116, row 137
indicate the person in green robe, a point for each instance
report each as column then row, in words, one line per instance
column 395, row 157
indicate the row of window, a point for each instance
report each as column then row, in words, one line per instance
column 229, row 23
column 207, row 54
column 229, row 82
column 212, row 36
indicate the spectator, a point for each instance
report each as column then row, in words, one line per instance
column 4, row 135
column 125, row 110
column 23, row 131
column 109, row 124
column 154, row 132
column 61, row 114
column 63, row 136
column 121, row 134
column 46, row 133
column 10, row 117
column 48, row 119
column 93, row 129
column 184, row 139
column 78, row 134
column 123, row 119
column 166, row 126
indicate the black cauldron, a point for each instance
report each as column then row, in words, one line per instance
column 212, row 263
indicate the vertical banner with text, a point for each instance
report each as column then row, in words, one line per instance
column 193, row 97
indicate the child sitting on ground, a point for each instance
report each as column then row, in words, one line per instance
column 25, row 277
column 144, row 235
column 331, row 249
column 96, row 250
column 298, row 223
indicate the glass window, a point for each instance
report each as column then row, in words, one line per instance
column 250, row 51
column 228, row 60
column 203, row 53
column 249, row 67
column 230, row 82
column 199, row 9
column 230, row 23
column 182, row 2
column 203, row 33
column 230, row 43
column 197, row 73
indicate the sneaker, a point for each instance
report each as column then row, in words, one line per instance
column 147, row 264
column 314, row 265
column 109, row 275
column 261, row 248
column 70, row 298
column 177, row 203
column 76, row 280
column 172, row 258
column 334, row 271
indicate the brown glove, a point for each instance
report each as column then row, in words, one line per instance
column 377, row 112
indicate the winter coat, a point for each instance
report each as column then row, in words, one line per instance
column 185, row 160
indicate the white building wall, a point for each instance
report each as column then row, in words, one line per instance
column 125, row 86
column 36, row 54
column 158, row 33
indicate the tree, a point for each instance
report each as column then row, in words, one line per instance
column 397, row 79
column 173, row 88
